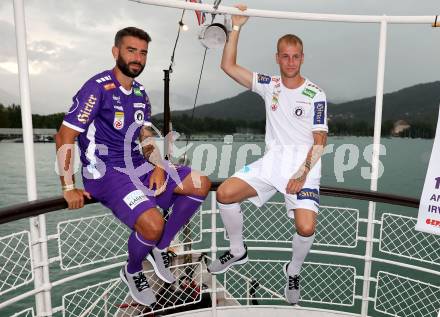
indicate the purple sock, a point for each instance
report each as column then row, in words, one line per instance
column 138, row 248
column 183, row 209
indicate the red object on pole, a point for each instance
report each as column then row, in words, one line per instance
column 200, row 15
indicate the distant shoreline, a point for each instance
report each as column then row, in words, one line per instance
column 221, row 138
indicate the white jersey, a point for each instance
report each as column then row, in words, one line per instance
column 291, row 117
column 291, row 114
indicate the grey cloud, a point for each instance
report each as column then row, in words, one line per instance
column 8, row 49
column 44, row 50
column 341, row 58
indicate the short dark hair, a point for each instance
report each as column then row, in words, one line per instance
column 131, row 31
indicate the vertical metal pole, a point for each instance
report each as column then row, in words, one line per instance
column 38, row 224
column 214, row 251
column 166, row 111
column 374, row 165
column 248, row 292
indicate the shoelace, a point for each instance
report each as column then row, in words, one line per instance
column 294, row 282
column 225, row 257
column 165, row 258
column 141, row 282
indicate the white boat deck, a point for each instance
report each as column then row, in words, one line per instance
column 263, row 311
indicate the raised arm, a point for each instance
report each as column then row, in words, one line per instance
column 229, row 59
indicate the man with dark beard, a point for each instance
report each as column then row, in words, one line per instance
column 108, row 115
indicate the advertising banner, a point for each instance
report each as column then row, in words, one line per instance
column 429, row 209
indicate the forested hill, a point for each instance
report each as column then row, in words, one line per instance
column 413, row 104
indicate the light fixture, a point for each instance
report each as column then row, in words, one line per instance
column 183, row 26
column 215, row 35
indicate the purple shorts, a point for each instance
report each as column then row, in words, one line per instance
column 128, row 197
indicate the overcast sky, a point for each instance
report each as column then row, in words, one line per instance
column 70, row 41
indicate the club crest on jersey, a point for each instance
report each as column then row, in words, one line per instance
column 118, row 122
column 139, row 116
column 263, row 79
column 274, row 106
column 299, row 111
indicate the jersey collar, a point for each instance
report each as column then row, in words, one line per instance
column 118, row 84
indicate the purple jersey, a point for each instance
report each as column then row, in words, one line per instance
column 109, row 118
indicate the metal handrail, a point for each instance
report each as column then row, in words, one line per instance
column 42, row 206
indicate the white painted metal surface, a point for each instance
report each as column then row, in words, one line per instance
column 264, row 311
column 429, row 19
column 374, row 164
column 37, row 224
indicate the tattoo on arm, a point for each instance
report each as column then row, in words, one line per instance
column 149, row 148
column 315, row 152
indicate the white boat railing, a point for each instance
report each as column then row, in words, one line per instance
column 86, row 253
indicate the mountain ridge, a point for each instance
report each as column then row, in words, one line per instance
column 414, row 103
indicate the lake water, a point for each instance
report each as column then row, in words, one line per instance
column 405, row 163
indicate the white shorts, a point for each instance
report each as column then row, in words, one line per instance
column 266, row 178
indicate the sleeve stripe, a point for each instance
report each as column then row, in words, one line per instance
column 320, row 128
column 69, row 125
column 147, row 124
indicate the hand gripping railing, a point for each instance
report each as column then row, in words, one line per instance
column 42, row 206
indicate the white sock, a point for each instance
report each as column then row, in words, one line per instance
column 300, row 248
column 233, row 220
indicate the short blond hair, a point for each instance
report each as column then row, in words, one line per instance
column 290, row 39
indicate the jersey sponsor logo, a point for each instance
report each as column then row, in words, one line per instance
column 263, row 79
column 308, row 193
column 308, row 92
column 299, row 111
column 137, row 91
column 84, row 113
column 109, row 86
column 119, row 108
column 318, row 117
column 139, row 105
column 139, row 117
column 118, row 122
column 117, row 99
column 134, row 198
column 103, row 79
